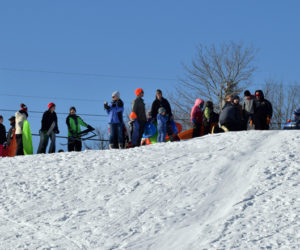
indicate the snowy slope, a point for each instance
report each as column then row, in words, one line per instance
column 234, row 190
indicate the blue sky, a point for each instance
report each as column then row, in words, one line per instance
column 136, row 43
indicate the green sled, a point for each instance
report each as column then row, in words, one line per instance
column 27, row 139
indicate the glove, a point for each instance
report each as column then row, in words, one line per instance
column 268, row 121
column 194, row 120
column 106, row 106
column 56, row 131
column 5, row 145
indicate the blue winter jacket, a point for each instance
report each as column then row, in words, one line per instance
column 162, row 122
column 115, row 112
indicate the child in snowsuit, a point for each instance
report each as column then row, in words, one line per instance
column 210, row 118
column 162, row 120
column 197, row 117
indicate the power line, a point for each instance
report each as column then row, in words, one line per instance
column 89, row 74
column 40, row 112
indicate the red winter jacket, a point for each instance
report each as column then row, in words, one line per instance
column 197, row 113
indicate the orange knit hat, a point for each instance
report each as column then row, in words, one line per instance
column 138, row 91
column 132, row 116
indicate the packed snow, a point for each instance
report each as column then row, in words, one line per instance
column 233, row 190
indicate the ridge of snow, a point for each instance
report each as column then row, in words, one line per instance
column 232, row 190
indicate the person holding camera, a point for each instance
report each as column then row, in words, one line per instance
column 116, row 128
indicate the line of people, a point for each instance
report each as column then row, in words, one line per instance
column 49, row 129
column 160, row 113
column 255, row 111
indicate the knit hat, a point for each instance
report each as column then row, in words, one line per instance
column 50, row 105
column 73, row 108
column 116, row 94
column 132, row 116
column 23, row 107
column 138, row 91
column 247, row 93
column 159, row 91
column 236, row 97
column 12, row 118
column 161, row 110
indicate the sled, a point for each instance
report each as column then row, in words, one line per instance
column 12, row 148
column 27, row 139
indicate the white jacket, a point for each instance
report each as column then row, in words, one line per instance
column 20, row 118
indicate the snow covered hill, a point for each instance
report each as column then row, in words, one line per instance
column 234, row 190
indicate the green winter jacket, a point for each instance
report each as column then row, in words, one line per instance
column 74, row 122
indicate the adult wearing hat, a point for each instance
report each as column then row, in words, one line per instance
column 138, row 116
column 48, row 130
column 115, row 111
column 21, row 116
column 263, row 111
column 11, row 131
column 74, row 122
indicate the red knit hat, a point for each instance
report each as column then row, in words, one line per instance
column 138, row 91
column 23, row 107
column 50, row 105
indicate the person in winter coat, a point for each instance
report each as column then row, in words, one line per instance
column 159, row 102
column 236, row 104
column 12, row 130
column 48, row 130
column 21, row 116
column 138, row 117
column 210, row 118
column 197, row 117
column 248, row 107
column 3, row 142
column 263, row 112
column 74, row 122
column 115, row 111
column 230, row 116
column 162, row 120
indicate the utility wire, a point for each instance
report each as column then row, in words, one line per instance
column 40, row 112
column 89, row 74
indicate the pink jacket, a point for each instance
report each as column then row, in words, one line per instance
column 196, row 112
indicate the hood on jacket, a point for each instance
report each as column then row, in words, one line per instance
column 198, row 101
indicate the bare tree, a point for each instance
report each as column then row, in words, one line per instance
column 214, row 73
column 284, row 98
column 102, row 142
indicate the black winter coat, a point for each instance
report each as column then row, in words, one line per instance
column 2, row 134
column 231, row 115
column 48, row 119
column 262, row 111
column 158, row 104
